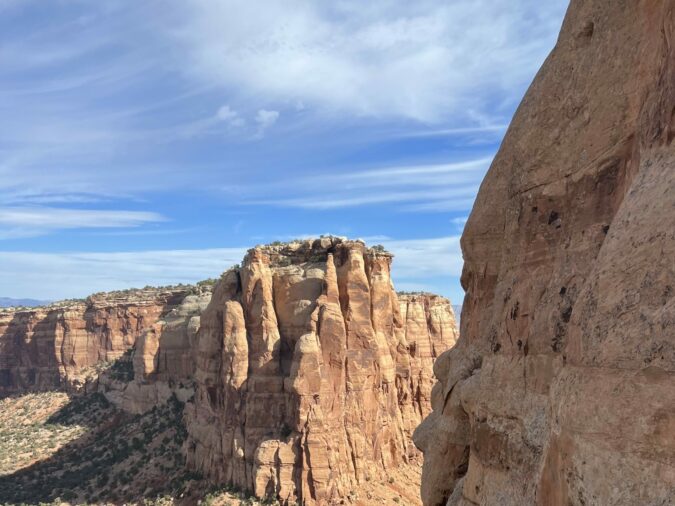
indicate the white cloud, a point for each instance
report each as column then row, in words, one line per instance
column 86, row 107
column 66, row 275
column 225, row 113
column 430, row 188
column 424, row 60
column 265, row 119
column 32, row 221
column 425, row 258
column 230, row 116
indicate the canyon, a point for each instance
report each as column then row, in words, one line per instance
column 560, row 390
column 302, row 373
column 302, row 377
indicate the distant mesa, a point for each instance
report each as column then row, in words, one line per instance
column 9, row 302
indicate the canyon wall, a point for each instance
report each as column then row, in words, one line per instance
column 58, row 346
column 303, row 372
column 311, row 372
column 162, row 361
column 561, row 389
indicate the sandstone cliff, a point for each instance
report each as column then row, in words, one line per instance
column 310, row 372
column 57, row 346
column 561, row 389
column 304, row 374
column 162, row 361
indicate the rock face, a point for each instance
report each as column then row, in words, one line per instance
column 561, row 389
column 310, row 372
column 428, row 328
column 303, row 372
column 54, row 346
column 162, row 363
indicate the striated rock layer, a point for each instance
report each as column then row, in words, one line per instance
column 56, row 346
column 311, row 372
column 303, row 372
column 561, row 389
column 162, row 363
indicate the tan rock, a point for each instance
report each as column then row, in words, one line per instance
column 163, row 358
column 308, row 378
column 56, row 346
column 303, row 374
column 561, row 388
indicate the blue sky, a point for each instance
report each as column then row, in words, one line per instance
column 154, row 142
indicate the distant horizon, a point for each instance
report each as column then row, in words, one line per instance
column 152, row 143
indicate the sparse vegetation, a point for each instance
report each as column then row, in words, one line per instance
column 82, row 450
column 92, row 460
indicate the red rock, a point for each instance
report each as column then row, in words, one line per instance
column 561, row 388
column 309, row 378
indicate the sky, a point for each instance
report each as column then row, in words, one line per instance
column 154, row 142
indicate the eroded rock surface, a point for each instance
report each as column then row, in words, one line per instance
column 303, row 374
column 57, row 346
column 311, row 372
column 561, row 389
column 162, row 363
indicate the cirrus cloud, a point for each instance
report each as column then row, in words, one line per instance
column 27, row 221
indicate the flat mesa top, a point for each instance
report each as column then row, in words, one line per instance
column 312, row 250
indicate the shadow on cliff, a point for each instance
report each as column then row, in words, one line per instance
column 33, row 364
column 117, row 458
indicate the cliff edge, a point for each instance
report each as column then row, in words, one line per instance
column 561, row 389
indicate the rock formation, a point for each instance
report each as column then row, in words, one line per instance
column 310, row 372
column 303, row 372
column 162, row 363
column 561, row 389
column 56, row 346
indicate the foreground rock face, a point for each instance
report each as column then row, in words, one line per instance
column 311, row 372
column 561, row 390
column 56, row 346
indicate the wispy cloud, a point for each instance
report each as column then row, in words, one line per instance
column 31, row 221
column 425, row 258
column 265, row 119
column 444, row 132
column 368, row 60
column 87, row 107
column 66, row 275
column 435, row 187
column 230, row 116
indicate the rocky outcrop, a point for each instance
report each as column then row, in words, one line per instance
column 561, row 389
column 310, row 372
column 61, row 345
column 303, row 373
column 162, row 363
column 428, row 328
